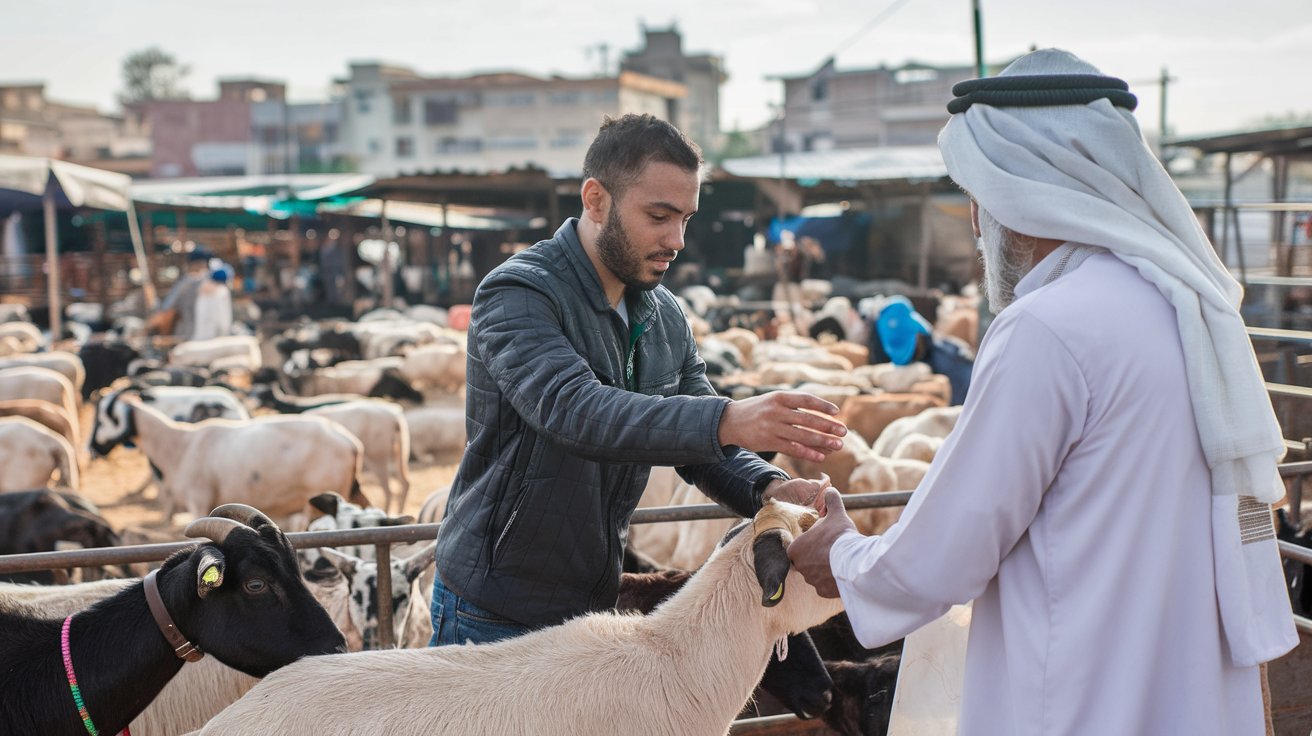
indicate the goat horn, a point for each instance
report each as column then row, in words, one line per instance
column 248, row 515
column 213, row 528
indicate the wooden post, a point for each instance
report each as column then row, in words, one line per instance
column 295, row 231
column 388, row 281
column 181, row 225
column 98, row 253
column 152, row 259
column 926, row 236
column 52, row 264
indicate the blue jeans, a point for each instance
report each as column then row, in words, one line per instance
column 457, row 621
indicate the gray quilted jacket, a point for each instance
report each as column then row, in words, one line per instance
column 567, row 409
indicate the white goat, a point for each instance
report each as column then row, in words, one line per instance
column 382, row 429
column 273, row 463
column 22, row 337
column 932, row 422
column 67, row 364
column 42, row 384
column 439, row 367
column 30, row 453
column 687, row 668
column 437, row 433
column 236, row 351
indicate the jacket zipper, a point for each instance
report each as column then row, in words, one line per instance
column 496, row 548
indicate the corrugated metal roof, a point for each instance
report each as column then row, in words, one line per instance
column 885, row 163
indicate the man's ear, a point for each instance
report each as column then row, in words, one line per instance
column 974, row 217
column 596, row 201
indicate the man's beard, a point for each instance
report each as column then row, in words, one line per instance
column 619, row 255
column 1007, row 258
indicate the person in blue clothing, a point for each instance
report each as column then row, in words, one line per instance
column 901, row 336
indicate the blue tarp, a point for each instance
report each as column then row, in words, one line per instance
column 836, row 234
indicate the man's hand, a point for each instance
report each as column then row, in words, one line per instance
column 810, row 550
column 790, row 422
column 801, row 491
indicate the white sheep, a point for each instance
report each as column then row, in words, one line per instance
column 382, row 429
column 917, row 446
column 274, row 463
column 437, row 433
column 64, row 363
column 30, row 453
column 438, row 368
column 42, row 384
column 21, row 337
column 235, row 351
column 687, row 668
column 932, row 422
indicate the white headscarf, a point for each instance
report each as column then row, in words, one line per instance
column 1083, row 174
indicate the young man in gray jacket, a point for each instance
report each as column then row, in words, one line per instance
column 583, row 374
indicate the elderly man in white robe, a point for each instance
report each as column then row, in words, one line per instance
column 1104, row 499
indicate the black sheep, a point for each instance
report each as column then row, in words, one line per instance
column 33, row 521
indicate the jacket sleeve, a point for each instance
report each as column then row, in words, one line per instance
column 738, row 480
column 518, row 336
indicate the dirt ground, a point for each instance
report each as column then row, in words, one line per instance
column 109, row 483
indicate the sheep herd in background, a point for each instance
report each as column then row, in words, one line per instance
column 294, row 420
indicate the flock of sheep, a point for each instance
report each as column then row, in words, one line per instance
column 316, row 425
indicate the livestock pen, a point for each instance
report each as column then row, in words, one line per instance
column 1291, row 706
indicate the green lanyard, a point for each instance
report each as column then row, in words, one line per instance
column 634, row 333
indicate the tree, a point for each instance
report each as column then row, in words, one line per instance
column 152, row 74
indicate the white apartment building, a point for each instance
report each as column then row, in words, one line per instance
column 399, row 122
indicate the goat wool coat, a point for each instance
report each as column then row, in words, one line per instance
column 1072, row 503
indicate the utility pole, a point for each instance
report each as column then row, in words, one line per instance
column 980, row 71
column 783, row 153
column 1165, row 80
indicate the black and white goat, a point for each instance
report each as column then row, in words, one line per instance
column 239, row 598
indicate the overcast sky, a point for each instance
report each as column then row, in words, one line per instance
column 1236, row 62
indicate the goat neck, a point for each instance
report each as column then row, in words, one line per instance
column 716, row 628
column 163, row 440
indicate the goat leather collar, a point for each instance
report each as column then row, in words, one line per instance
column 181, row 647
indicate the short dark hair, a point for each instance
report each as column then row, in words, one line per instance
column 625, row 145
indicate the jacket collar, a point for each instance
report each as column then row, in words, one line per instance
column 642, row 305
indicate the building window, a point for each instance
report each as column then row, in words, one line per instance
column 570, row 97
column 405, row 146
column 910, row 76
column 509, row 99
column 567, row 139
column 375, row 146
column 513, row 142
column 439, row 112
column 362, row 103
column 401, row 110
column 819, row 90
column 451, row 144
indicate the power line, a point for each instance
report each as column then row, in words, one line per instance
column 892, row 8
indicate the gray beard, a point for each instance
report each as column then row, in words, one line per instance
column 1006, row 261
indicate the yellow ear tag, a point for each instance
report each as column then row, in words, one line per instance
column 211, row 575
column 778, row 593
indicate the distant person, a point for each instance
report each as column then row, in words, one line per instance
column 332, row 268
column 214, row 305
column 177, row 313
column 901, row 336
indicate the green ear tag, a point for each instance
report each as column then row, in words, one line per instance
column 211, row 575
column 778, row 593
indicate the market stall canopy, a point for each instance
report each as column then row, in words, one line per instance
column 25, row 180
column 279, row 196
column 886, row 163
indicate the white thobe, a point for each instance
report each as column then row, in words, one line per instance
column 1073, row 504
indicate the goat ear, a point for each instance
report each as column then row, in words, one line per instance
column 419, row 561
column 770, row 558
column 342, row 561
column 327, row 502
column 209, row 570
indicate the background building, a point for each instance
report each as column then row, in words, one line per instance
column 862, row 108
column 398, row 121
column 33, row 125
column 698, row 114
